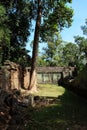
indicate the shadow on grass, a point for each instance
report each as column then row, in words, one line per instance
column 68, row 113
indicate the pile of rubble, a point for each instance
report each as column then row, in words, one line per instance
column 16, row 108
column 13, row 110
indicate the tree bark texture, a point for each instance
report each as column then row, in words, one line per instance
column 32, row 84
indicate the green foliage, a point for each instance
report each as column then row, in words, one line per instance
column 14, row 30
column 3, row 16
column 56, row 15
column 70, row 54
column 82, row 45
column 19, row 28
column 64, row 54
column 84, row 28
column 41, row 61
column 49, row 54
column 4, row 35
column 15, row 25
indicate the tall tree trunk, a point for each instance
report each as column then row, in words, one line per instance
column 32, row 84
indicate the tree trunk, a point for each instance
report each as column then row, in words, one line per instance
column 32, row 84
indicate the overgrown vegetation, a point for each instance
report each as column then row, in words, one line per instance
column 67, row 113
column 79, row 84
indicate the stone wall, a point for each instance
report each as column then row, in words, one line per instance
column 13, row 76
column 53, row 74
column 26, row 77
column 10, row 76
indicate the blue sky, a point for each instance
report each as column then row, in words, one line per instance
column 80, row 14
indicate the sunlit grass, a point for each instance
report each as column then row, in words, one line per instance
column 50, row 90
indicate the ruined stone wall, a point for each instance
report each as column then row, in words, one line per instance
column 26, row 77
column 15, row 77
column 11, row 76
column 5, row 77
column 54, row 74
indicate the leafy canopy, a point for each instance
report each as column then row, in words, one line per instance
column 55, row 15
column 14, row 30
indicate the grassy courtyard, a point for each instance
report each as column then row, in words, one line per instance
column 69, row 112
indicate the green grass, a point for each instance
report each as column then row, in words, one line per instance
column 68, row 113
column 50, row 90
